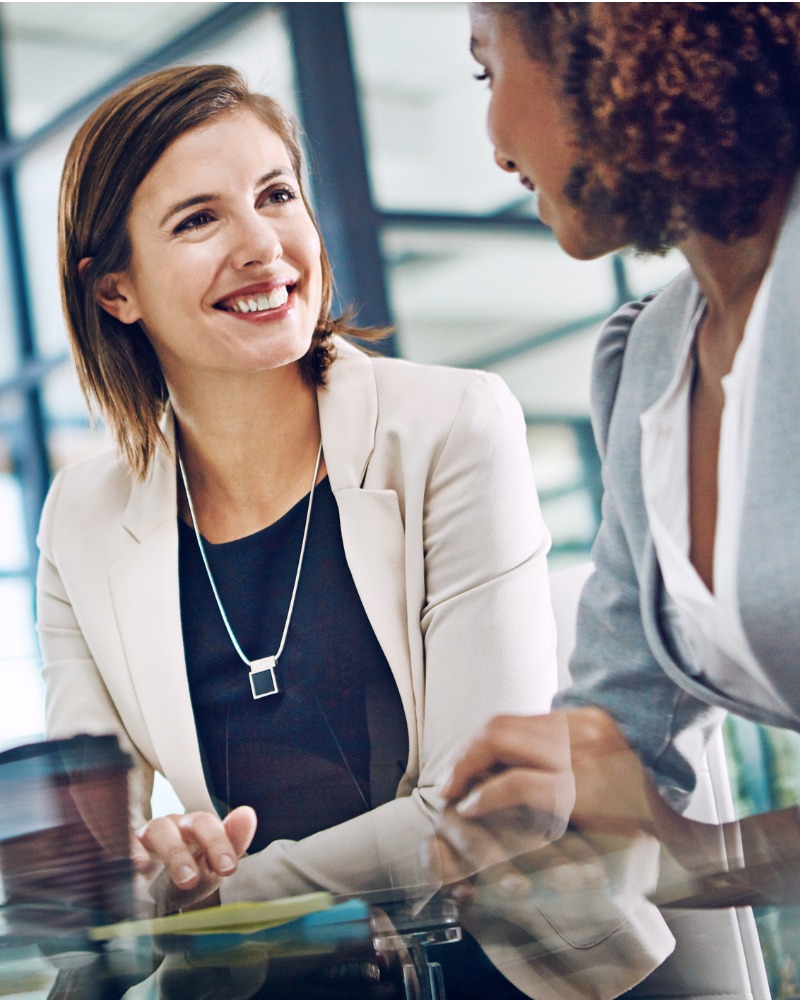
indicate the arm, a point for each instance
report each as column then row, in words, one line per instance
column 78, row 701
column 568, row 766
column 488, row 638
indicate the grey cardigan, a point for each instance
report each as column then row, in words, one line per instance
column 628, row 658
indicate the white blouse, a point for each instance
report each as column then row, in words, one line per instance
column 709, row 623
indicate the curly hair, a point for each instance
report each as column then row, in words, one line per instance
column 108, row 159
column 686, row 113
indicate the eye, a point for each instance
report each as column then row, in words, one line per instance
column 482, row 76
column 278, row 195
column 196, row 221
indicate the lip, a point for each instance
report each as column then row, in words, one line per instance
column 526, row 182
column 261, row 288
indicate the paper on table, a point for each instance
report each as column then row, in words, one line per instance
column 233, row 918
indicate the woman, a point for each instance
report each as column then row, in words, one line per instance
column 649, row 126
column 306, row 572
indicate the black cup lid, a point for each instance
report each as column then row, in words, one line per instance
column 64, row 757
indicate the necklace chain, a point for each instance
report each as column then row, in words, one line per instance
column 268, row 663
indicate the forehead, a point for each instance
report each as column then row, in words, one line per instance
column 235, row 147
column 496, row 35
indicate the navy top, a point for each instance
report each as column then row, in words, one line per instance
column 332, row 743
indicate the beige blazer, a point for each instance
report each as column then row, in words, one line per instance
column 445, row 541
column 444, row 538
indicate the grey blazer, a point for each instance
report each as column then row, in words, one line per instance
column 628, row 657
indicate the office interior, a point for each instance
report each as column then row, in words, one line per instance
column 426, row 235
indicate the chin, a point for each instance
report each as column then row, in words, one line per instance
column 581, row 246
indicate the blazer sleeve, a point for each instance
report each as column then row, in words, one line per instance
column 613, row 666
column 489, row 644
column 78, row 700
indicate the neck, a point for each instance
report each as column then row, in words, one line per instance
column 248, row 449
column 729, row 274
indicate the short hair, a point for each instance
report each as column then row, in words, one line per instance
column 108, row 159
column 686, row 113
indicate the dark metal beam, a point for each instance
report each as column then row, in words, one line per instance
column 510, row 351
column 206, row 31
column 31, row 372
column 331, row 116
column 29, row 452
column 502, row 222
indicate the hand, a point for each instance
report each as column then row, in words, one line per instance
column 510, row 792
column 188, row 856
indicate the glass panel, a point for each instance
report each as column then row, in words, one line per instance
column 54, row 53
column 764, row 765
column 13, row 552
column 9, row 352
column 462, row 297
column 21, row 696
column 262, row 51
column 566, row 505
column 423, row 111
column 37, row 186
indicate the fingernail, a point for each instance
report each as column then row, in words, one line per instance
column 226, row 863
column 185, row 874
column 468, row 804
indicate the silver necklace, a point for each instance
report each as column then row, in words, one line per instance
column 263, row 681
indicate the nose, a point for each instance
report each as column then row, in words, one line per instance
column 504, row 162
column 256, row 243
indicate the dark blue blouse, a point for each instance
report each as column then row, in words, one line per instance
column 332, row 743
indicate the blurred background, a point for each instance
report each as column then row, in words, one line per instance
column 425, row 234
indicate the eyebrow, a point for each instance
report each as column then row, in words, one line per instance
column 201, row 199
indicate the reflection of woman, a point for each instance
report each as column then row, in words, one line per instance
column 198, row 302
column 655, row 125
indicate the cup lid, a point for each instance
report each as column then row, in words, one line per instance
column 63, row 757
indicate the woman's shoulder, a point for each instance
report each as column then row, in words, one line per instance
column 428, row 388
column 641, row 339
column 86, row 495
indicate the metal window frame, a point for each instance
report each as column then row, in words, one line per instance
column 351, row 222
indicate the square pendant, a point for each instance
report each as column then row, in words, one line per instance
column 262, row 677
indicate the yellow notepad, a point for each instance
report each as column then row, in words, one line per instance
column 232, row 918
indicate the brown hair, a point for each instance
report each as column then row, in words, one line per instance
column 108, row 159
column 686, row 113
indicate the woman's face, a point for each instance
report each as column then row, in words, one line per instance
column 530, row 134
column 225, row 271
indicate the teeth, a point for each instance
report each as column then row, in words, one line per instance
column 276, row 298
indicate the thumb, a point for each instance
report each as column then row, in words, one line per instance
column 240, row 826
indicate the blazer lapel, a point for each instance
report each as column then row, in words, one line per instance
column 146, row 596
column 372, row 524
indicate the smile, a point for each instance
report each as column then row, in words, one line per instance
column 260, row 302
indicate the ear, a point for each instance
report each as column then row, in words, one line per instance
column 116, row 295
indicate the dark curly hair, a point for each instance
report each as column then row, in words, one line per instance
column 687, row 113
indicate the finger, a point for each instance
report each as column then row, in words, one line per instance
column 535, row 741
column 163, row 839
column 472, row 845
column 206, row 837
column 541, row 799
column 143, row 862
column 240, row 827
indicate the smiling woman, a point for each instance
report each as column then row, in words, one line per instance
column 275, row 592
